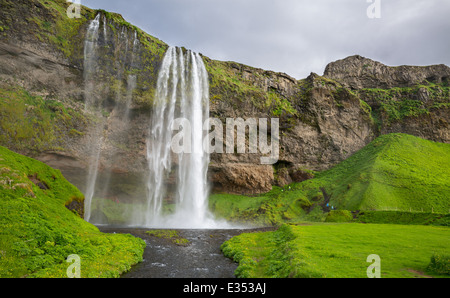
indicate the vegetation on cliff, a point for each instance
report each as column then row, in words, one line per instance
column 38, row 232
column 394, row 104
column 46, row 25
column 228, row 83
column 31, row 124
column 394, row 172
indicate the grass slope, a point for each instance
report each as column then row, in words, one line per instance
column 396, row 172
column 38, row 233
column 341, row 251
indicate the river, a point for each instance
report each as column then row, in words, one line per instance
column 202, row 258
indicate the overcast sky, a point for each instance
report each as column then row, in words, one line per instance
column 296, row 37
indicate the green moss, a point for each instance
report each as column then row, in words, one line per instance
column 61, row 31
column 227, row 83
column 74, row 132
column 395, row 171
column 30, row 123
column 173, row 235
column 288, row 204
column 365, row 107
column 439, row 264
column 237, row 208
column 279, row 105
column 38, row 233
column 397, row 103
column 339, row 216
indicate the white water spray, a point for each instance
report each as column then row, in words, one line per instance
column 182, row 92
column 90, row 60
column 93, row 51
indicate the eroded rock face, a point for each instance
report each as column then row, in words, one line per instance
column 37, row 71
column 341, row 128
column 266, row 80
column 434, row 126
column 357, row 72
column 329, row 127
column 240, row 178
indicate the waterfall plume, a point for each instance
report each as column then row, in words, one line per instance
column 182, row 93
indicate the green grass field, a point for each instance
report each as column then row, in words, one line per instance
column 38, row 233
column 341, row 251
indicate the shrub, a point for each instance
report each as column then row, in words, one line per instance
column 339, row 216
column 440, row 264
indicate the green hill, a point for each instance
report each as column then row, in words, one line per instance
column 38, row 232
column 395, row 172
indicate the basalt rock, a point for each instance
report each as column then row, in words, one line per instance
column 241, row 178
column 357, row 72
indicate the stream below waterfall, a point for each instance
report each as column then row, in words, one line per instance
column 202, row 258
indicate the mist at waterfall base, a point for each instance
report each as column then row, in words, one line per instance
column 182, row 91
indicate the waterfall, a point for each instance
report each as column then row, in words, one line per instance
column 131, row 80
column 182, row 92
column 90, row 58
column 176, row 181
column 105, row 33
column 90, row 61
column 95, row 52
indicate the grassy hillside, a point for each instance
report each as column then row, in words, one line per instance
column 341, row 251
column 38, row 232
column 396, row 172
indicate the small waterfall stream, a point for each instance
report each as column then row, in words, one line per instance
column 119, row 115
column 90, row 60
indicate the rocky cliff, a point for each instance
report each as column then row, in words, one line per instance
column 323, row 119
column 357, row 72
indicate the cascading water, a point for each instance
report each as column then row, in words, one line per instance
column 182, row 93
column 90, row 60
column 177, row 188
column 97, row 45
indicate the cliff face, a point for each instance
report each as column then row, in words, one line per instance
column 357, row 72
column 323, row 119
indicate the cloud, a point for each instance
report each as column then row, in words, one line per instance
column 295, row 36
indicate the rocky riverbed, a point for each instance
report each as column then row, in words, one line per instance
column 201, row 257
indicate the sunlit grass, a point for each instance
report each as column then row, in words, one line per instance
column 38, row 233
column 339, row 250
